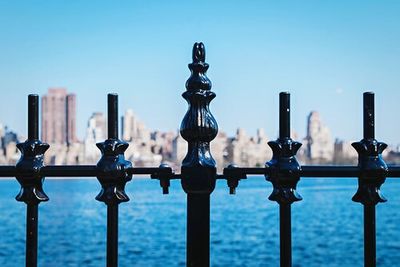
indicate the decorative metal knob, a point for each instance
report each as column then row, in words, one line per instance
column 284, row 168
column 373, row 169
column 31, row 161
column 198, row 128
column 112, row 167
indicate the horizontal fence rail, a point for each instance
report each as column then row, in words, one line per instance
column 198, row 172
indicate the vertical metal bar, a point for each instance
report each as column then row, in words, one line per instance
column 112, row 208
column 198, row 230
column 285, row 208
column 112, row 235
column 369, row 210
column 33, row 117
column 369, row 115
column 198, row 171
column 369, row 236
column 284, row 115
column 285, row 235
column 32, row 208
column 112, row 116
column 31, row 235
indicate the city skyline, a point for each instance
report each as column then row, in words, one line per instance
column 325, row 54
column 151, row 147
column 61, row 94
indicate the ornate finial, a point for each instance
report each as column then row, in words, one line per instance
column 284, row 168
column 112, row 167
column 198, row 128
column 284, row 171
column 199, row 53
column 31, row 161
column 113, row 171
column 373, row 169
column 29, row 165
column 198, row 79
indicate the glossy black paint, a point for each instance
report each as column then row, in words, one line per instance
column 28, row 175
column 198, row 172
column 198, row 128
column 284, row 169
column 373, row 172
column 112, row 175
column 284, row 174
column 233, row 178
column 164, row 174
column 31, row 161
column 112, row 167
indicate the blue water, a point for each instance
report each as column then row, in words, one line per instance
column 327, row 225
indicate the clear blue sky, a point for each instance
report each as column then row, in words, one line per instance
column 326, row 53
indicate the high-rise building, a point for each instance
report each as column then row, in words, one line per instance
column 71, row 118
column 129, row 125
column 59, row 117
column 133, row 129
column 95, row 133
column 319, row 142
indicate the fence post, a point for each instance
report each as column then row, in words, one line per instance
column 113, row 175
column 373, row 172
column 198, row 170
column 28, row 175
column 284, row 175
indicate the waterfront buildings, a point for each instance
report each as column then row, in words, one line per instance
column 344, row 152
column 8, row 146
column 129, row 125
column 151, row 148
column 95, row 133
column 318, row 143
column 245, row 150
column 59, row 117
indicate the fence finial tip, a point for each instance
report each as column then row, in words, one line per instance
column 199, row 52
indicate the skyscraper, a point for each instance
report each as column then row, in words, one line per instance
column 132, row 128
column 59, row 117
column 95, row 132
column 319, row 143
column 129, row 125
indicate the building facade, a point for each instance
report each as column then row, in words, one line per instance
column 59, row 117
column 319, row 143
column 95, row 133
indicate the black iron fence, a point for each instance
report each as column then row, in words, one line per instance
column 198, row 173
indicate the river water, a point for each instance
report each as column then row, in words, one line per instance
column 327, row 225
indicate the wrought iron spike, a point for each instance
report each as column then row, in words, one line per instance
column 284, row 171
column 284, row 168
column 373, row 169
column 198, row 128
column 199, row 53
column 112, row 166
column 112, row 171
column 198, row 79
column 32, row 159
column 28, row 169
